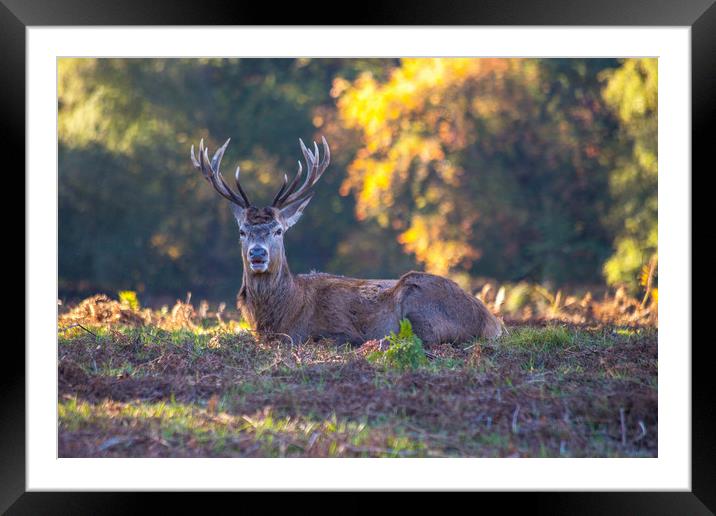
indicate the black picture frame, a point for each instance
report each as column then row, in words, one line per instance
column 700, row 15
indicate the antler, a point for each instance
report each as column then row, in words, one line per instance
column 210, row 169
column 288, row 193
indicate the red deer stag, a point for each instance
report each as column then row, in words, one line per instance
column 318, row 305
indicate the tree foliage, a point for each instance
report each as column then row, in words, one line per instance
column 632, row 92
column 505, row 168
column 491, row 166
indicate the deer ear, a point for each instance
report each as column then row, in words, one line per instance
column 293, row 211
column 238, row 212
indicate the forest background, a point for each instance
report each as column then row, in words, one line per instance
column 512, row 171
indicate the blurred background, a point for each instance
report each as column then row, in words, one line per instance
column 539, row 172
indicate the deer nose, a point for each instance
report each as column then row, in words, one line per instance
column 258, row 253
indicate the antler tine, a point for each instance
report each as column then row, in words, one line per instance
column 196, row 162
column 311, row 178
column 206, row 171
column 238, row 187
column 316, row 155
column 319, row 166
column 326, row 153
column 241, row 201
column 217, row 180
column 281, row 190
column 210, row 170
column 216, row 160
column 285, row 193
column 292, row 192
column 308, row 156
column 316, row 167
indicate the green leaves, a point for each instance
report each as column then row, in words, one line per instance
column 405, row 350
column 631, row 92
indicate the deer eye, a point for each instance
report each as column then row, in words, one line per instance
column 278, row 232
column 242, row 233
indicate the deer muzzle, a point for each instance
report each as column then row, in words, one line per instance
column 258, row 258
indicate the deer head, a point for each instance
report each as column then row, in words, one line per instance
column 261, row 229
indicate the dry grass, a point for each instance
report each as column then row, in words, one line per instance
column 532, row 304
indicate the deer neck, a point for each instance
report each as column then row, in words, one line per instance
column 268, row 297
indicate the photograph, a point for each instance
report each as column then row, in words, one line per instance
column 358, row 257
column 445, row 248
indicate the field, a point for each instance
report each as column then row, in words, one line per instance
column 577, row 380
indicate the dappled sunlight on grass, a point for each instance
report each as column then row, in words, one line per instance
column 151, row 428
column 164, row 387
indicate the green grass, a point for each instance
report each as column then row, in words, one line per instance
column 553, row 391
column 540, row 339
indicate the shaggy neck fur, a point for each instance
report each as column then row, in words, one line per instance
column 267, row 297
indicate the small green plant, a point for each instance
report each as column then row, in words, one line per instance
column 405, row 349
column 129, row 298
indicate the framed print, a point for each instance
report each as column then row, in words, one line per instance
column 499, row 200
